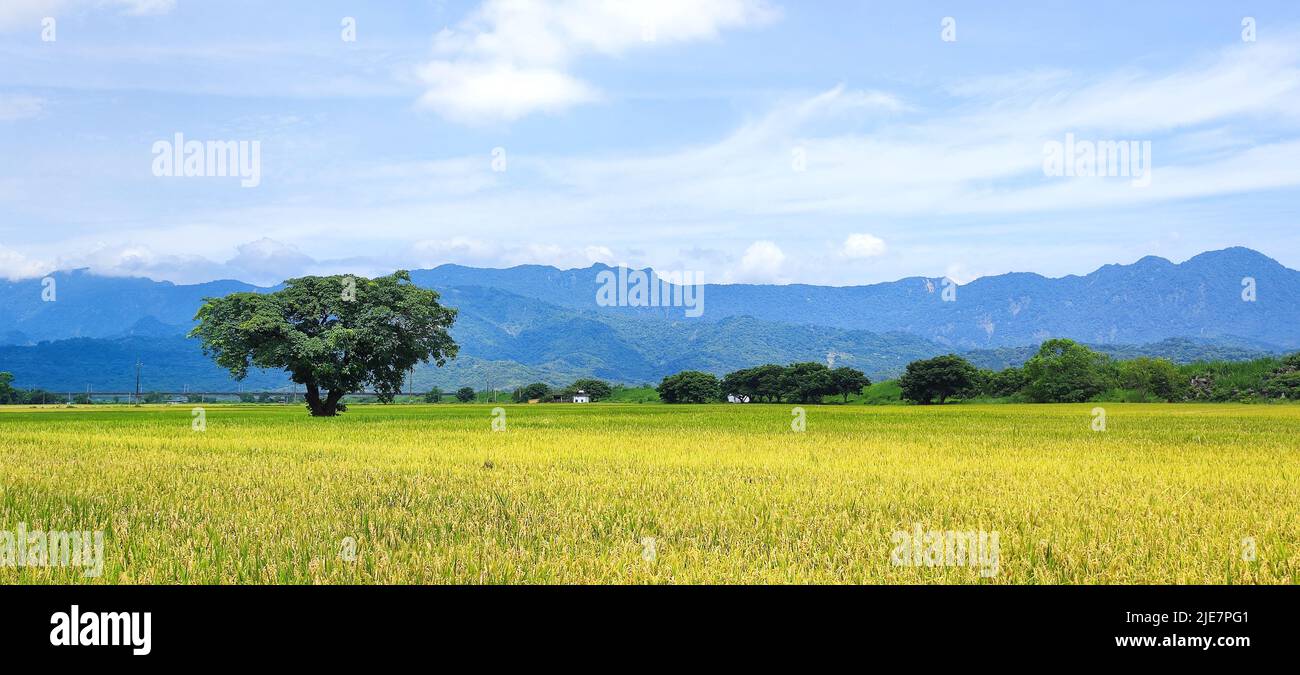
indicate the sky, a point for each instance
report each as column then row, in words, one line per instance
column 753, row 141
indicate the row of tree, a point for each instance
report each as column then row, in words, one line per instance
column 540, row 391
column 11, row 396
column 1064, row 371
column 807, row 382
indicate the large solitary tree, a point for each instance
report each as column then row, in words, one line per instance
column 937, row 378
column 332, row 334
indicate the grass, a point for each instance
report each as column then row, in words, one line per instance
column 730, row 494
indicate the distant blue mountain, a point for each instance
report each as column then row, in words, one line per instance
column 533, row 323
column 1147, row 301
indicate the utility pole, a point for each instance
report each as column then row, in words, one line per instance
column 137, row 381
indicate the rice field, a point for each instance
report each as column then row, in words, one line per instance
column 625, row 493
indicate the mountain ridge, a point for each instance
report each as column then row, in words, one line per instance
column 541, row 322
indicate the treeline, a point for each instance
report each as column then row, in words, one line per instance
column 1064, row 371
column 537, row 391
column 1061, row 371
column 11, row 396
column 598, row 390
column 806, row 382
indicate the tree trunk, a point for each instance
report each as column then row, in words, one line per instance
column 328, row 407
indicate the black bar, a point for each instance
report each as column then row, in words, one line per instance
column 989, row 625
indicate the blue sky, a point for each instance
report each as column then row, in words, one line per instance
column 751, row 141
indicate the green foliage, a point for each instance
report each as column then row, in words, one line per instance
column 847, row 381
column 690, row 386
column 8, row 394
column 334, row 334
column 598, row 390
column 938, row 378
column 535, row 391
column 645, row 393
column 465, row 394
column 806, row 382
column 1002, row 383
column 434, row 395
column 1222, row 381
column 1064, row 371
column 883, row 393
column 1153, row 377
column 1284, row 381
column 761, row 383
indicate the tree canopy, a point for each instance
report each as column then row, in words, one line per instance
column 333, row 334
column 7, row 392
column 1064, row 371
column 1154, row 377
column 806, row 382
column 534, row 391
column 847, row 381
column 690, row 386
column 596, row 389
column 760, row 383
column 937, row 378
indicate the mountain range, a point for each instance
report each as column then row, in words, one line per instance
column 533, row 322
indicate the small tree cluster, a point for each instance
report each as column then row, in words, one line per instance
column 537, row 391
column 937, row 379
column 689, row 386
column 806, row 382
column 597, row 389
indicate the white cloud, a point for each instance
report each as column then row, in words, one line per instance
column 474, row 252
column 761, row 263
column 472, row 92
column 264, row 261
column 145, row 7
column 18, row 14
column 959, row 274
column 872, row 158
column 267, row 261
column 14, row 265
column 19, row 106
column 131, row 260
column 862, row 245
column 511, row 58
column 599, row 254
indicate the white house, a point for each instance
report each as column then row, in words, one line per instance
column 732, row 398
column 581, row 397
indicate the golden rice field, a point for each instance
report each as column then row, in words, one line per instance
column 729, row 494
